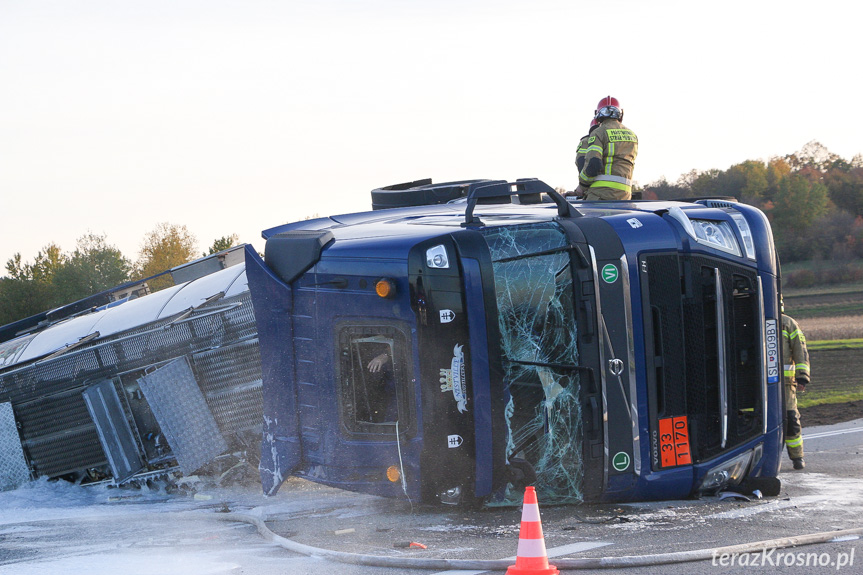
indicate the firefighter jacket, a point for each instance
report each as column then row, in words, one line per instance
column 794, row 352
column 609, row 161
column 581, row 152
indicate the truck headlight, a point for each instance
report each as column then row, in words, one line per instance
column 745, row 233
column 731, row 472
column 716, row 234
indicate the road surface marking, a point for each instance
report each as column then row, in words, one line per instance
column 831, row 433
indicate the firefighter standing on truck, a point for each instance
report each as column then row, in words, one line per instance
column 610, row 156
column 796, row 359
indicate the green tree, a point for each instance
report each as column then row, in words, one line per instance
column 45, row 265
column 29, row 288
column 846, row 189
column 707, row 184
column 16, row 268
column 751, row 177
column 93, row 267
column 777, row 170
column 19, row 298
column 663, row 190
column 222, row 244
column 167, row 246
column 799, row 203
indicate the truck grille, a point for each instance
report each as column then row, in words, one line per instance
column 684, row 368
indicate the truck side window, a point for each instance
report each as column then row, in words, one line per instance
column 372, row 379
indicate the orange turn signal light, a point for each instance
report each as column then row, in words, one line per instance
column 385, row 288
column 393, row 473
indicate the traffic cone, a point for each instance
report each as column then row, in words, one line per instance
column 531, row 558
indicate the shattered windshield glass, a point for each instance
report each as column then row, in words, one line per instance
column 534, row 289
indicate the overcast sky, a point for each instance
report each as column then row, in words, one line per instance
column 232, row 116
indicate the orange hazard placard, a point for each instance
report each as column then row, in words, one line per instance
column 674, row 441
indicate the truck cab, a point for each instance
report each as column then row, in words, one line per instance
column 465, row 339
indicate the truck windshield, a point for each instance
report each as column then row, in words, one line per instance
column 534, row 290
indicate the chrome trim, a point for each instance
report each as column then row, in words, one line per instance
column 600, row 327
column 630, row 351
column 676, row 213
column 763, row 338
column 720, row 351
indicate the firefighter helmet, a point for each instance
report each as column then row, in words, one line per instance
column 594, row 124
column 608, row 101
column 608, row 107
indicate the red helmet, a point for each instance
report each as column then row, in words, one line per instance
column 607, row 101
column 608, row 107
column 593, row 124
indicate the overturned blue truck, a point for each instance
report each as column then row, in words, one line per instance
column 453, row 344
column 476, row 336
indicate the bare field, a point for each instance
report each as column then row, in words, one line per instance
column 832, row 302
column 829, row 328
column 835, row 376
column 831, row 313
column 830, row 413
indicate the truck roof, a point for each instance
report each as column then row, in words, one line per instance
column 415, row 223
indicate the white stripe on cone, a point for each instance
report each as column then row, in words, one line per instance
column 531, row 548
column 530, row 512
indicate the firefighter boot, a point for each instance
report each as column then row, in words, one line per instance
column 798, row 463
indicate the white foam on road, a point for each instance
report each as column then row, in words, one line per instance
column 839, row 495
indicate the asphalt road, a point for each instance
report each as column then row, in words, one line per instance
column 112, row 530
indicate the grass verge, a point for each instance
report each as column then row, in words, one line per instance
column 831, row 344
column 821, row 398
column 830, row 310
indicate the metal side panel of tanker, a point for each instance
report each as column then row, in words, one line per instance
column 166, row 383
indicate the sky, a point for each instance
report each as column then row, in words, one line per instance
column 234, row 116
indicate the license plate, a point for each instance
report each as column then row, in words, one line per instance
column 772, row 343
column 674, row 441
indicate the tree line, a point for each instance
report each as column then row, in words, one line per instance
column 55, row 278
column 813, row 199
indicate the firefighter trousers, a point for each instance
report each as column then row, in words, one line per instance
column 793, row 430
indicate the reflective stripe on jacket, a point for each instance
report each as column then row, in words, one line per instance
column 794, row 349
column 581, row 152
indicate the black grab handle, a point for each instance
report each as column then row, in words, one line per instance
column 523, row 187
